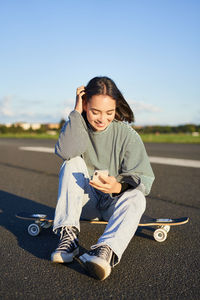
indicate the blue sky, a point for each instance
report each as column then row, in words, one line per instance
column 150, row 48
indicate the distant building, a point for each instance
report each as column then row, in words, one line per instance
column 23, row 125
column 52, row 126
column 8, row 125
column 27, row 126
column 34, row 126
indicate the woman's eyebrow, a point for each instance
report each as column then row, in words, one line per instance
column 100, row 110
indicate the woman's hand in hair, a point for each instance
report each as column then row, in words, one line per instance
column 109, row 184
column 80, row 91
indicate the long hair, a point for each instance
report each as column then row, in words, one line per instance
column 105, row 86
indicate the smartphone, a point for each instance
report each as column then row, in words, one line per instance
column 96, row 174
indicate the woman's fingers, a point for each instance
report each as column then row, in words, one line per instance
column 102, row 186
column 109, row 184
column 80, row 90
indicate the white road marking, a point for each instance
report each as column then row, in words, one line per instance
column 38, row 149
column 175, row 161
column 156, row 160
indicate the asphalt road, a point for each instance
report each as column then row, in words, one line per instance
column 148, row 269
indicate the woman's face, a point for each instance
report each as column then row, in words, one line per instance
column 100, row 111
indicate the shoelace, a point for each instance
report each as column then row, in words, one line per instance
column 102, row 251
column 68, row 238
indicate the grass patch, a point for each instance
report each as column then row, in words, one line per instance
column 29, row 136
column 170, row 138
column 147, row 138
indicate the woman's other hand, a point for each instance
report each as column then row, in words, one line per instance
column 80, row 91
column 109, row 184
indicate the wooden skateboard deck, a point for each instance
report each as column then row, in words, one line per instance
column 160, row 234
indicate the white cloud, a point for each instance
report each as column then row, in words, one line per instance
column 137, row 106
column 5, row 107
column 13, row 109
column 140, row 107
column 65, row 112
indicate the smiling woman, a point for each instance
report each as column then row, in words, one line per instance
column 100, row 111
column 96, row 138
column 104, row 86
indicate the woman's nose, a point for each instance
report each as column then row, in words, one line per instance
column 102, row 118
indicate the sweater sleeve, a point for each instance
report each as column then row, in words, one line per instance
column 136, row 170
column 73, row 139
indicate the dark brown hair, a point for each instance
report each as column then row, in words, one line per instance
column 105, row 86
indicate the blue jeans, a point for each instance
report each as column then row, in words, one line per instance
column 77, row 199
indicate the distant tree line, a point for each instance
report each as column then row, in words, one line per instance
column 187, row 128
column 18, row 129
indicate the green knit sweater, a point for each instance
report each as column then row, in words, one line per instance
column 118, row 148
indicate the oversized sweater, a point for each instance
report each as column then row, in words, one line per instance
column 118, row 148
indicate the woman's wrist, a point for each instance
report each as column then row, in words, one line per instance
column 118, row 188
column 78, row 110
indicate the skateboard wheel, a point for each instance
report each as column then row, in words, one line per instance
column 160, row 235
column 33, row 229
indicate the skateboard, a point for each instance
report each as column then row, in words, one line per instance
column 160, row 233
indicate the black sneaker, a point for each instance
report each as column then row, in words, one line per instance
column 97, row 261
column 68, row 246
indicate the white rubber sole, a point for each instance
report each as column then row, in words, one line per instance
column 64, row 257
column 97, row 267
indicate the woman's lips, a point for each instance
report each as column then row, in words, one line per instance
column 100, row 124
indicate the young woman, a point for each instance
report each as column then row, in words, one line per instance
column 96, row 138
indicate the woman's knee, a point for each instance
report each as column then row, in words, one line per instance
column 76, row 163
column 137, row 199
column 142, row 201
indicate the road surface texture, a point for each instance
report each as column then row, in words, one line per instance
column 148, row 269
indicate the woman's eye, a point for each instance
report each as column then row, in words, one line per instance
column 95, row 113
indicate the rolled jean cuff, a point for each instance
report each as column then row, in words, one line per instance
column 56, row 228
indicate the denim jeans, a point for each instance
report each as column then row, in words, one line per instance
column 77, row 199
